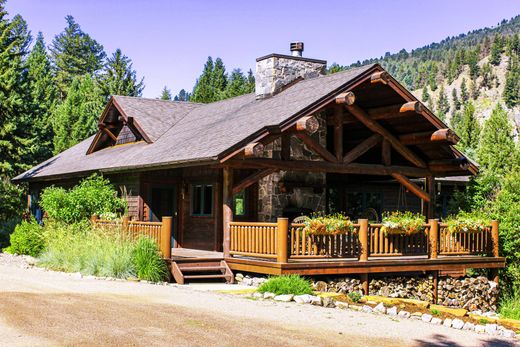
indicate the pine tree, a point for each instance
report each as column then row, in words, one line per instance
column 496, row 50
column 182, row 96
column 455, row 99
column 473, row 89
column 497, row 146
column 237, row 84
column 250, row 81
column 443, row 105
column 75, row 53
column 219, row 77
column 472, row 61
column 469, row 130
column 203, row 90
column 166, row 94
column 43, row 98
column 76, row 117
column 17, row 144
column 425, row 95
column 119, row 78
column 464, row 91
column 511, row 93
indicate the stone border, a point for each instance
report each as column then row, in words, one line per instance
column 492, row 329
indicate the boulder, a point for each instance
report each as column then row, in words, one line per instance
column 303, row 299
column 436, row 321
column 316, row 300
column 268, row 295
column 426, row 317
column 457, row 323
column 380, row 308
column 404, row 314
column 341, row 304
column 367, row 309
column 447, row 322
column 284, row 297
column 491, row 329
column 479, row 328
column 468, row 326
column 392, row 311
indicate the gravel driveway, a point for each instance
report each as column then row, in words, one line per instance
column 49, row 308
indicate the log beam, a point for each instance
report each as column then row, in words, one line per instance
column 386, row 153
column 414, row 188
column 461, row 163
column 388, row 112
column 364, row 118
column 323, row 166
column 308, row 124
column 316, row 147
column 252, row 179
column 379, row 77
column 347, row 98
column 362, row 148
column 107, row 131
column 253, row 150
column 338, row 132
column 439, row 136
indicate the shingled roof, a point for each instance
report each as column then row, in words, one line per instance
column 183, row 132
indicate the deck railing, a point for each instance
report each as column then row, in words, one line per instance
column 282, row 242
column 160, row 232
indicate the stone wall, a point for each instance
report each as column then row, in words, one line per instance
column 276, row 71
column 292, row 189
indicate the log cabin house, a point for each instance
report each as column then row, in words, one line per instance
column 233, row 174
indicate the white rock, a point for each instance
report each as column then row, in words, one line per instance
column 392, row 311
column 380, row 308
column 268, row 295
column 457, row 323
column 404, row 314
column 508, row 333
column 316, row 300
column 341, row 304
column 436, row 321
column 426, row 317
column 468, row 326
column 447, row 322
column 284, row 297
column 257, row 295
column 491, row 329
column 247, row 281
column 303, row 299
column 367, row 309
column 479, row 328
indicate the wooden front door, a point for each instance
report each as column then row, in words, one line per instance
column 163, row 203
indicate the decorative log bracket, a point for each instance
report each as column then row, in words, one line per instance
column 252, row 179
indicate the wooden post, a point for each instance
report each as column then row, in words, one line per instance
column 434, row 238
column 282, row 240
column 363, row 239
column 338, row 132
column 494, row 237
column 430, row 188
column 227, row 210
column 435, row 286
column 166, row 237
column 125, row 222
column 364, row 283
column 93, row 219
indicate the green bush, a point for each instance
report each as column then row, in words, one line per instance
column 26, row 239
column 93, row 195
column 148, row 262
column 354, row 296
column 286, row 284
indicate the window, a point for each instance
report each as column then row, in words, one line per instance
column 359, row 204
column 202, row 200
column 239, row 201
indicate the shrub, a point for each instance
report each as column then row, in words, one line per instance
column 93, row 195
column 435, row 312
column 26, row 239
column 286, row 284
column 354, row 296
column 148, row 262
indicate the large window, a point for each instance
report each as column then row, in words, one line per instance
column 202, row 200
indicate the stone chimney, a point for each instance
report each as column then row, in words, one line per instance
column 275, row 71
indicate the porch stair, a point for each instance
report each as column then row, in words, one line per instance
column 185, row 269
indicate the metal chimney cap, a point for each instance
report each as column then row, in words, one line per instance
column 297, row 48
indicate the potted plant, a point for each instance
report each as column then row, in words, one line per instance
column 328, row 224
column 402, row 223
column 467, row 222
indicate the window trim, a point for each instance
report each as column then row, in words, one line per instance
column 202, row 198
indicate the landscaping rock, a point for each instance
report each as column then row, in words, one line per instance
column 239, row 277
column 416, row 315
column 316, row 300
column 468, row 326
column 404, row 314
column 303, row 299
column 491, row 329
column 508, row 333
column 341, row 304
column 392, row 311
column 426, row 317
column 436, row 321
column 284, row 297
column 481, row 329
column 380, row 308
column 447, row 322
column 328, row 302
column 268, row 295
column 355, row 307
column 257, row 295
column 457, row 323
column 367, row 309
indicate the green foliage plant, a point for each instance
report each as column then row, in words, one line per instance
column 467, row 222
column 148, row 262
column 354, row 296
column 286, row 284
column 402, row 223
column 510, row 307
column 26, row 239
column 328, row 224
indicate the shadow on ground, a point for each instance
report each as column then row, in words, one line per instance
column 444, row 341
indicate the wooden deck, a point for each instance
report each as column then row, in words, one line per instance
column 183, row 253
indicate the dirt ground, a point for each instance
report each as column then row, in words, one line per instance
column 48, row 308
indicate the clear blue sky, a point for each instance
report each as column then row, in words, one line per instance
column 169, row 41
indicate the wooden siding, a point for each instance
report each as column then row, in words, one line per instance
column 127, row 185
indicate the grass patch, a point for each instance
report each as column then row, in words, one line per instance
column 510, row 307
column 286, row 284
column 435, row 312
column 355, row 296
